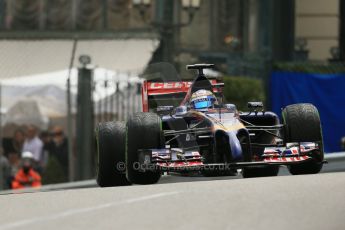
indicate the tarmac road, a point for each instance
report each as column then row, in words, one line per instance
column 284, row 202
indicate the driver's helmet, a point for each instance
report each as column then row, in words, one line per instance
column 202, row 100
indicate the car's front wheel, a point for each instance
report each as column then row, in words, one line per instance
column 302, row 124
column 143, row 132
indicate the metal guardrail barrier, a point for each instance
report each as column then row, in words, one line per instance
column 332, row 158
column 339, row 156
column 54, row 187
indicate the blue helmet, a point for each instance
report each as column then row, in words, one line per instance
column 202, row 100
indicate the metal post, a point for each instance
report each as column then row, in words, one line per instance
column 265, row 25
column 117, row 101
column 85, row 124
column 105, row 14
column 71, row 163
column 123, row 118
column 283, row 30
column 342, row 31
column 105, row 101
column 112, row 104
column 164, row 19
column 2, row 14
column 167, row 31
column 0, row 114
column 265, row 41
column 43, row 14
column 74, row 14
column 128, row 99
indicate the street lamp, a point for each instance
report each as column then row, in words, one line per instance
column 84, row 60
column 166, row 25
column 142, row 6
column 335, row 53
column 301, row 52
column 141, row 2
column 190, row 6
column 301, row 44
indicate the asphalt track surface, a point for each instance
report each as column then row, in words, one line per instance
column 283, row 202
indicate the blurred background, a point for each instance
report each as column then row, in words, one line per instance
column 66, row 65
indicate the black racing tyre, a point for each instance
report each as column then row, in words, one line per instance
column 257, row 171
column 144, row 131
column 260, row 171
column 302, row 124
column 110, row 138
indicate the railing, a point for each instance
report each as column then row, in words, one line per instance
column 120, row 99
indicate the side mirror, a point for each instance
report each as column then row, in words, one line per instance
column 181, row 110
column 255, row 105
column 231, row 108
column 164, row 109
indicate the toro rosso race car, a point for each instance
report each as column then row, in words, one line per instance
column 186, row 127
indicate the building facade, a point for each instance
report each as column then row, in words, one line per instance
column 317, row 21
column 222, row 31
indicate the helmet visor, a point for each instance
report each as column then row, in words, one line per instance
column 203, row 103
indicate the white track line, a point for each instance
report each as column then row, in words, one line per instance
column 26, row 222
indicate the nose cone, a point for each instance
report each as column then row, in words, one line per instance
column 235, row 145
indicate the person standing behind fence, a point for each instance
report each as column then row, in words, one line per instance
column 4, row 171
column 60, row 148
column 15, row 144
column 34, row 145
column 47, row 147
column 15, row 165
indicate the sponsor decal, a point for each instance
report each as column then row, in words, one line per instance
column 286, row 159
column 169, row 85
column 154, row 88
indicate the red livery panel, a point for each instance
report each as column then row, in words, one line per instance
column 151, row 88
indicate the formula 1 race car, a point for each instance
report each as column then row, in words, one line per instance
column 186, row 127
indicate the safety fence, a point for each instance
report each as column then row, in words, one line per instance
column 34, row 87
column 120, row 99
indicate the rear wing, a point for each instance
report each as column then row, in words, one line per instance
column 169, row 93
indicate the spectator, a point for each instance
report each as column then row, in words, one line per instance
column 34, row 145
column 60, row 148
column 47, row 147
column 4, row 172
column 14, row 144
column 14, row 160
column 26, row 177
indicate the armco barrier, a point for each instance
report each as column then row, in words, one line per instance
column 332, row 158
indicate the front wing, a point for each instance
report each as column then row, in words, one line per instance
column 176, row 160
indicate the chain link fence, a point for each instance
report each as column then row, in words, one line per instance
column 38, row 70
column 34, row 74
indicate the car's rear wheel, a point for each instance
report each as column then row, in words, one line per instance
column 143, row 132
column 110, row 138
column 302, row 124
